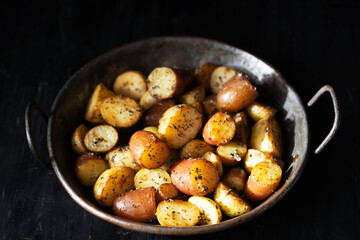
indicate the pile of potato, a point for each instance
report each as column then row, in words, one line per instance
column 206, row 147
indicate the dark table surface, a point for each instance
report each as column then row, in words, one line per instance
column 312, row 43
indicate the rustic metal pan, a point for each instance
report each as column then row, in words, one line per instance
column 67, row 113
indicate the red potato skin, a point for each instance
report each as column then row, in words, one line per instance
column 137, row 205
column 185, row 80
column 155, row 112
column 255, row 191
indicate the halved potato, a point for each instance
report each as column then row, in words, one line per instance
column 77, row 139
column 243, row 129
column 193, row 96
column 258, row 111
column 219, row 129
column 231, row 153
column 203, row 74
column 210, row 105
column 131, row 84
column 179, row 125
column 155, row 112
column 151, row 178
column 122, row 157
column 101, row 138
column 93, row 112
column 195, row 149
column 253, row 157
column 146, row 100
column 121, row 112
column 112, row 183
column 210, row 212
column 89, row 167
column 166, row 191
column 173, row 158
column 152, row 129
column 219, row 77
column 235, row 178
column 215, row 160
column 177, row 213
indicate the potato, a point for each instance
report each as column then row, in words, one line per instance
column 194, row 176
column 199, row 107
column 210, row 212
column 137, row 205
column 219, row 77
column 210, row 105
column 231, row 204
column 148, row 150
column 165, row 82
column 195, row 149
column 151, row 178
column 177, row 213
column 235, row 178
column 93, row 112
column 101, row 138
column 77, row 139
column 259, row 111
column 131, row 84
column 263, row 181
column 193, row 96
column 152, row 129
column 112, row 183
column 173, row 158
column 219, row 129
column 88, row 168
column 166, row 191
column 254, row 157
column 122, row 157
column 231, row 153
column 242, row 132
column 266, row 136
column 179, row 125
column 215, row 160
column 146, row 100
column 236, row 94
column 121, row 112
column 203, row 74
column 153, row 115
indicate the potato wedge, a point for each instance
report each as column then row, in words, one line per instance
column 165, row 82
column 121, row 112
column 231, row 153
column 235, row 178
column 195, row 149
column 151, row 178
column 93, row 109
column 177, row 213
column 179, row 125
column 101, row 138
column 77, row 139
column 243, row 128
column 203, row 74
column 146, row 100
column 153, row 115
column 253, row 157
column 122, row 157
column 152, row 129
column 131, row 84
column 215, row 160
column 236, row 94
column 137, row 205
column 89, row 167
column 193, row 96
column 166, row 191
column 173, row 158
column 219, row 129
column 112, row 183
column 263, row 181
column 210, row 212
column 258, row 111
column 266, row 136
column 148, row 150
column 210, row 105
column 219, row 77
column 231, row 204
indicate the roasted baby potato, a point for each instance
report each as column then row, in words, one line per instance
column 153, row 115
column 177, row 213
column 203, row 74
column 253, row 157
column 93, row 112
column 210, row 105
column 193, row 96
column 173, row 158
column 235, row 178
column 146, row 100
column 259, row 111
column 77, row 139
column 210, row 212
column 112, row 183
column 195, row 149
column 148, row 150
column 166, row 191
column 219, row 77
column 137, row 205
column 89, row 167
column 266, row 136
column 179, row 125
column 194, row 176
column 236, row 94
column 231, row 153
column 152, row 129
column 121, row 112
column 231, row 204
column 165, row 82
column 101, row 138
column 151, row 178
column 215, row 160
column 122, row 157
column 243, row 129
column 263, row 181
column 219, row 129
column 131, row 84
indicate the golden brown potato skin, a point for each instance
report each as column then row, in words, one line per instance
column 137, row 205
column 236, row 94
column 235, row 178
column 195, row 149
column 89, row 167
column 77, row 139
column 203, row 74
column 166, row 191
column 219, row 129
column 243, row 128
column 153, row 115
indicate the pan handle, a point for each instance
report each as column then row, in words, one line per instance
column 29, row 136
column 336, row 124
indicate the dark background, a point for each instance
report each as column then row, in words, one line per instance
column 312, row 43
